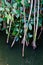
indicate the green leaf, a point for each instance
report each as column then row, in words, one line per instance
column 15, row 5
column 7, row 9
column 8, row 4
column 1, row 9
column 30, row 35
column 30, row 26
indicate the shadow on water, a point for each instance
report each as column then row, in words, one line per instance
column 12, row 56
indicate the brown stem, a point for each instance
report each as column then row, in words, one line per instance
column 23, row 49
column 9, row 32
column 40, row 32
column 34, row 37
column 13, row 42
column 25, row 26
column 35, row 31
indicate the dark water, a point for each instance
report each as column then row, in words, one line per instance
column 12, row 56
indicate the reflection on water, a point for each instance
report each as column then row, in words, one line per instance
column 12, row 56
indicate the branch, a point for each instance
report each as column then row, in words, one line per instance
column 34, row 34
column 35, row 30
column 9, row 31
column 25, row 26
column 40, row 32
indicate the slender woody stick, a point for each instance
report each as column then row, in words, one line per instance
column 9, row 31
column 29, row 14
column 30, row 11
column 23, row 41
column 37, row 16
column 26, row 27
column 40, row 33
column 13, row 41
column 33, row 43
column 35, row 29
column 16, row 35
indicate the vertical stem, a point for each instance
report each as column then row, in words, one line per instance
column 23, row 41
column 25, row 26
column 9, row 32
column 34, row 14
column 34, row 37
column 30, row 10
column 35, row 29
column 40, row 33
column 23, row 50
column 37, row 17
column 13, row 41
column 16, row 34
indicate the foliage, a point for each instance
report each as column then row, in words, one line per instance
column 12, row 17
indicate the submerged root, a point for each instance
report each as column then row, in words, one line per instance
column 7, row 40
column 9, row 32
column 27, row 43
column 23, row 49
column 23, row 42
column 13, row 42
column 34, row 44
column 40, row 32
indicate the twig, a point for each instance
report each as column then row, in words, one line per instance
column 33, row 43
column 35, row 31
column 40, row 33
column 26, row 27
column 37, row 17
column 9, row 31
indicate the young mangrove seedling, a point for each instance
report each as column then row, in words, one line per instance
column 17, row 32
column 9, row 30
column 16, row 36
column 35, row 24
column 34, row 33
column 37, row 17
column 25, row 26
